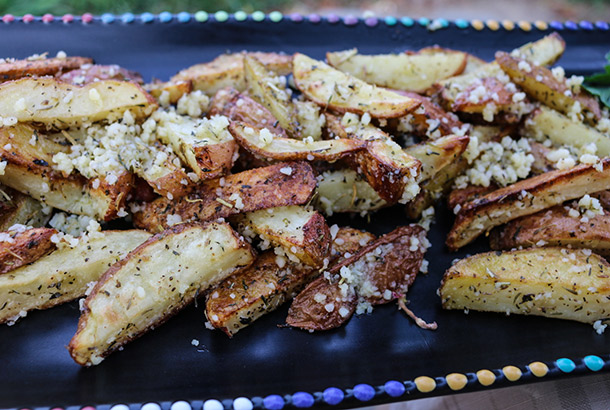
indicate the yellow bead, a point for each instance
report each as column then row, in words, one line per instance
column 525, row 25
column 425, row 384
column 486, row 377
column 508, row 25
column 477, row 25
column 538, row 369
column 456, row 381
column 512, row 373
column 541, row 25
column 493, row 25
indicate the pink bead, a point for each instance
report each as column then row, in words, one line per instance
column 67, row 18
column 28, row 18
column 88, row 408
column 87, row 18
column 8, row 18
column 47, row 18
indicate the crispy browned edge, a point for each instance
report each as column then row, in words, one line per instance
column 47, row 66
column 28, row 247
column 117, row 267
column 176, row 90
column 534, row 186
column 99, row 72
column 201, row 203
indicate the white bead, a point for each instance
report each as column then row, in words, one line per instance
column 151, row 406
column 242, row 403
column 213, row 404
column 181, row 405
column 120, row 407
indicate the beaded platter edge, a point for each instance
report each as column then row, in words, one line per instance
column 360, row 394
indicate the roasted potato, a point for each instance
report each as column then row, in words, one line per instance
column 89, row 73
column 553, row 282
column 21, row 248
column 154, row 282
column 174, row 91
column 13, row 70
column 344, row 190
column 17, row 208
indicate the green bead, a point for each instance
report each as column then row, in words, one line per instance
column 201, row 16
column 276, row 16
column 258, row 16
column 240, row 15
column 221, row 16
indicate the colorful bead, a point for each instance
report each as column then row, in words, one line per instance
column 461, row 23
column 364, row 392
column 525, row 25
column 302, row 399
column 221, row 16
column 128, row 18
column 486, row 377
column 556, row 25
column 27, row 18
column 147, row 17
column 183, row 17
column 150, row 406
column 371, row 21
column 119, row 407
column 273, row 402
column 565, row 365
column 107, row 18
column 201, row 16
column 538, row 369
column 258, row 16
column 541, row 25
column 314, row 18
column 67, row 18
column 88, row 408
column 240, row 15
column 390, row 21
column 508, row 25
column 512, row 373
column 333, row 396
column 242, row 403
column 394, row 388
column 296, row 17
column 180, row 405
column 456, row 381
column 47, row 18
column 333, row 18
column 85, row 18
column 444, row 23
column 594, row 363
column 165, row 17
column 602, row 25
column 425, row 384
column 586, row 25
column 8, row 18
column 350, row 20
column 213, row 404
column 477, row 25
column 407, row 21
column 423, row 21
column 493, row 25
column 570, row 25
column 276, row 16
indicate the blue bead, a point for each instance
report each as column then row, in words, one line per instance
column 594, row 363
column 273, row 402
column 570, row 25
column 107, row 18
column 461, row 23
column 423, row 21
column 184, row 17
column 586, row 25
column 602, row 25
column 565, row 365
column 557, row 25
column 394, row 388
column 128, row 18
column 407, row 21
column 302, row 399
column 147, row 17
column 165, row 17
column 390, row 21
column 333, row 396
column 364, row 392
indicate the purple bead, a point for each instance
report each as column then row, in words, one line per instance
column 350, row 20
column 394, row 388
column 364, row 392
column 314, row 18
column 602, row 25
column 296, row 17
column 273, row 402
column 333, row 396
column 371, row 21
column 333, row 18
column 302, row 399
column 557, row 25
column 570, row 25
column 586, row 25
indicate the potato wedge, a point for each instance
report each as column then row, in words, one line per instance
column 525, row 197
column 60, row 105
column 96, row 72
column 338, row 91
column 545, row 51
column 14, row 70
column 553, row 282
column 154, row 282
column 227, row 70
column 17, row 208
column 555, row 227
column 249, row 294
column 247, row 191
column 539, row 83
column 25, row 247
column 344, row 190
column 546, row 123
column 263, row 143
column 348, row 241
column 64, row 275
column 300, row 232
column 268, row 90
column 245, row 109
column 459, row 197
column 404, row 71
column 429, row 121
column 174, row 91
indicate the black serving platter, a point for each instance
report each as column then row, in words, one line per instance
column 264, row 359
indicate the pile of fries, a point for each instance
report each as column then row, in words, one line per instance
column 226, row 173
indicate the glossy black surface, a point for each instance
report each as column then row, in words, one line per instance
column 36, row 370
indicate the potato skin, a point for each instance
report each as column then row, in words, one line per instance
column 39, row 68
column 98, row 72
column 27, row 247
